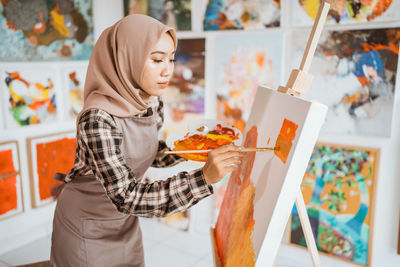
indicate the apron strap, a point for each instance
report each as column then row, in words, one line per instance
column 59, row 177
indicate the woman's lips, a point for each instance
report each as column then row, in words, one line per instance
column 164, row 84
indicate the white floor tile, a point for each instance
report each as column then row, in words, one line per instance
column 153, row 230
column 162, row 255
column 192, row 243
column 36, row 251
column 3, row 264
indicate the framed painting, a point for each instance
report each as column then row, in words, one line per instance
column 241, row 65
column 355, row 76
column 242, row 14
column 339, row 192
column 46, row 30
column 174, row 13
column 29, row 94
column 184, row 98
column 346, row 11
column 11, row 202
column 73, row 79
column 48, row 155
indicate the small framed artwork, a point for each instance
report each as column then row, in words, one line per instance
column 48, row 155
column 29, row 94
column 339, row 191
column 73, row 79
column 10, row 180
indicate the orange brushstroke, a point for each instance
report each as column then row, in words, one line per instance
column 285, row 138
column 374, row 47
column 235, row 223
column 52, row 157
column 8, row 186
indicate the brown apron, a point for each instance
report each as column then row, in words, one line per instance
column 87, row 228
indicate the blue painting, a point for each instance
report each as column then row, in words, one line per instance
column 38, row 30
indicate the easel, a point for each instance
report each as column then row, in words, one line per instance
column 299, row 83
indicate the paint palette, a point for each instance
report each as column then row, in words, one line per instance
column 204, row 134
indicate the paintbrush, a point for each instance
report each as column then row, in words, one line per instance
column 244, row 149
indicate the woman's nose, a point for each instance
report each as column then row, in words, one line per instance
column 167, row 70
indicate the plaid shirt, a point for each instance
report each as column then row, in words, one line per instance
column 98, row 152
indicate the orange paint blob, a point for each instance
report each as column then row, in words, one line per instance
column 52, row 157
column 235, row 223
column 284, row 141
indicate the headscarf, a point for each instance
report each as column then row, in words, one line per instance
column 115, row 72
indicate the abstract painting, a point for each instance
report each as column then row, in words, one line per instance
column 73, row 85
column 339, row 191
column 30, row 94
column 48, row 155
column 261, row 191
column 242, row 64
column 174, row 13
column 242, row 14
column 41, row 30
column 355, row 76
column 184, row 98
column 10, row 180
column 346, row 11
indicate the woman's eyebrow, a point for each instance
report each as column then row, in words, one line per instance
column 161, row 52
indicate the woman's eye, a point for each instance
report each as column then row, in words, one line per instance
column 172, row 60
column 157, row 60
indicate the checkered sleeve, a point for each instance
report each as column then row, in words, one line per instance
column 102, row 139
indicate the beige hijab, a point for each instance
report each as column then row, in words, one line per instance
column 114, row 76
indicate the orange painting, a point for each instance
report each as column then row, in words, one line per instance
column 285, row 138
column 236, row 220
column 51, row 157
column 9, row 178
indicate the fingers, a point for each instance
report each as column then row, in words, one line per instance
column 226, row 148
column 231, row 161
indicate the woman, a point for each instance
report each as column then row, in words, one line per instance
column 95, row 221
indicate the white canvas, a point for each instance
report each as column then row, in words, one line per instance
column 277, row 184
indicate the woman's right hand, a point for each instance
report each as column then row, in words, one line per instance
column 220, row 162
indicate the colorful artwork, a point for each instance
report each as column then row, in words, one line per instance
column 184, row 98
column 45, row 30
column 174, row 13
column 346, row 11
column 338, row 189
column 242, row 14
column 48, row 155
column 355, row 75
column 242, row 64
column 74, row 81
column 31, row 96
column 10, row 180
column 261, row 191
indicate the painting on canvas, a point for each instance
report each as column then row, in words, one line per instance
column 241, row 64
column 184, row 98
column 29, row 95
column 48, row 155
column 346, row 11
column 73, row 85
column 355, row 76
column 242, row 14
column 42, row 30
column 174, row 13
column 10, row 180
column 339, row 188
column 261, row 192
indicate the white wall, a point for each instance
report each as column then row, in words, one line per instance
column 35, row 223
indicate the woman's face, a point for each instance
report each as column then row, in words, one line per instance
column 159, row 66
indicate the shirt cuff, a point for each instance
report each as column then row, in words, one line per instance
column 198, row 185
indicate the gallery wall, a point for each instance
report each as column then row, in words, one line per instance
column 280, row 48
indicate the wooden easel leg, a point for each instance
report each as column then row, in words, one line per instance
column 307, row 230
